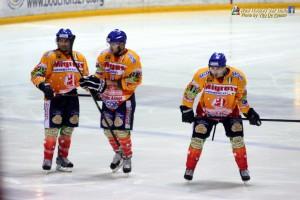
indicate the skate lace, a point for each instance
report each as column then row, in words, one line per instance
column 63, row 161
column 127, row 163
column 189, row 172
column 47, row 162
column 244, row 173
column 66, row 160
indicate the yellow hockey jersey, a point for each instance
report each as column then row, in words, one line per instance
column 58, row 70
column 219, row 97
column 122, row 75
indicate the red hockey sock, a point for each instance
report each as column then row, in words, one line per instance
column 113, row 144
column 126, row 146
column 240, row 156
column 64, row 145
column 49, row 147
column 193, row 157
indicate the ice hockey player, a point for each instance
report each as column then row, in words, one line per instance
column 121, row 69
column 223, row 98
column 57, row 77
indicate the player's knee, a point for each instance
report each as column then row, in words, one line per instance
column 122, row 133
column 107, row 133
column 52, row 132
column 67, row 131
column 74, row 119
column 237, row 142
column 197, row 143
column 57, row 119
column 237, row 127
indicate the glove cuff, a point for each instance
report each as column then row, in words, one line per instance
column 185, row 109
column 42, row 86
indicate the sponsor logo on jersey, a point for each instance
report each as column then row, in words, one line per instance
column 114, row 68
column 66, row 66
column 220, row 89
column 221, row 112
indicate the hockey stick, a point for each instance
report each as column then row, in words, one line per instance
column 94, row 98
column 263, row 119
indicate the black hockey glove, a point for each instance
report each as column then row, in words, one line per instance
column 46, row 88
column 187, row 114
column 253, row 117
column 93, row 83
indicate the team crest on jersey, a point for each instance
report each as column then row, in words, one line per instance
column 237, row 75
column 205, row 74
column 132, row 59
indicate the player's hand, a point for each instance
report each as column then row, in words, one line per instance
column 253, row 117
column 187, row 114
column 46, row 88
column 93, row 83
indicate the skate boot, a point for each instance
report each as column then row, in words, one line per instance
column 245, row 175
column 63, row 164
column 47, row 164
column 188, row 175
column 117, row 162
column 127, row 165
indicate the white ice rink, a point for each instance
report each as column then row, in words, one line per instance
column 172, row 46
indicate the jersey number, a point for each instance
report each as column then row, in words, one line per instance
column 70, row 80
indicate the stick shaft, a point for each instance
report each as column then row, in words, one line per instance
column 262, row 119
column 95, row 100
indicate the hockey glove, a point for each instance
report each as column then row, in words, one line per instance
column 253, row 117
column 46, row 88
column 93, row 83
column 187, row 114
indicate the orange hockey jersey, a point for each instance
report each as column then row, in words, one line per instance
column 219, row 98
column 122, row 74
column 58, row 70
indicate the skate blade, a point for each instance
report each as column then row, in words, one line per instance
column 47, row 172
column 63, row 169
column 246, row 183
column 117, row 168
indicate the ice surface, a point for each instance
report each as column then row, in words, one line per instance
column 172, row 46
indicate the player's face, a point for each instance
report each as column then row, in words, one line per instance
column 63, row 44
column 117, row 47
column 217, row 72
